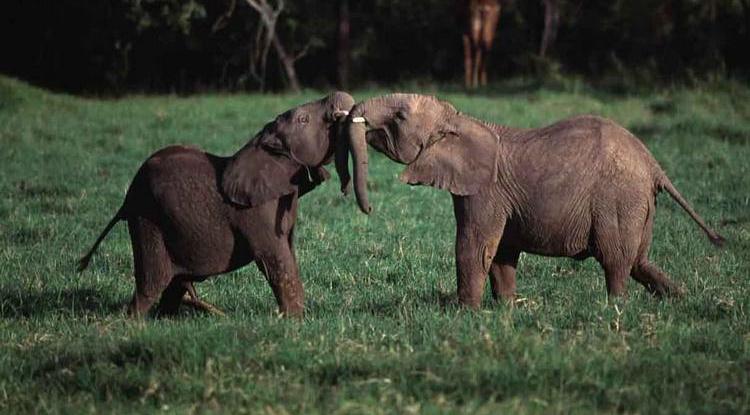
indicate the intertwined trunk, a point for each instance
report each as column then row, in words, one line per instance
column 358, row 147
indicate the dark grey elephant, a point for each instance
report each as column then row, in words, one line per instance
column 192, row 214
column 578, row 188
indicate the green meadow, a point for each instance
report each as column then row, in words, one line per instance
column 382, row 332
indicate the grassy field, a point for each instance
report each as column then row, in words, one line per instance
column 382, row 332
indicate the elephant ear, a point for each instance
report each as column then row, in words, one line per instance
column 462, row 162
column 253, row 177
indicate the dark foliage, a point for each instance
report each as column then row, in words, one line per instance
column 171, row 46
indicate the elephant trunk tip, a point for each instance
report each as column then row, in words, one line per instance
column 365, row 208
column 364, row 204
column 346, row 188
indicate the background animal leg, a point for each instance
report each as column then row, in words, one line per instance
column 467, row 61
column 476, row 66
column 483, row 68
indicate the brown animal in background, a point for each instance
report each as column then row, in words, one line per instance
column 192, row 214
column 479, row 19
column 578, row 188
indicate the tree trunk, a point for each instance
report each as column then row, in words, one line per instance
column 287, row 62
column 342, row 45
column 551, row 23
column 268, row 18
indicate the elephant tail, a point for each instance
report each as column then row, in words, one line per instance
column 84, row 261
column 667, row 185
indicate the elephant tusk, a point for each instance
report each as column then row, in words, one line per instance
column 357, row 120
column 340, row 113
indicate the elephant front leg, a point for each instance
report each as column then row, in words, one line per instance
column 479, row 226
column 279, row 266
column 474, row 253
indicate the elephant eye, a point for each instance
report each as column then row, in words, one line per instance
column 303, row 118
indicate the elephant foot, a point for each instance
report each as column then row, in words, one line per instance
column 670, row 290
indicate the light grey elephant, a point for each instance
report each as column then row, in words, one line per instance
column 581, row 187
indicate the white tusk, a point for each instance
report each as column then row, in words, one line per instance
column 339, row 113
column 358, row 119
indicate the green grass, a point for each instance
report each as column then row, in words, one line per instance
column 382, row 332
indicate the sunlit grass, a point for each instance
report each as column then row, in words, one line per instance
column 381, row 332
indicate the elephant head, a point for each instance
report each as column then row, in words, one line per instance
column 288, row 154
column 440, row 146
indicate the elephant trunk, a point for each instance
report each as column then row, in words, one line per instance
column 358, row 147
column 341, row 159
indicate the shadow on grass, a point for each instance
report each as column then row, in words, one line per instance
column 102, row 370
column 396, row 305
column 18, row 303
column 21, row 303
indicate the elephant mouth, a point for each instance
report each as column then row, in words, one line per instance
column 416, row 156
column 382, row 140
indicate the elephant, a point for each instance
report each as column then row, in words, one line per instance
column 581, row 187
column 192, row 215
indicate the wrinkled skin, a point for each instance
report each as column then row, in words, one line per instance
column 192, row 215
column 578, row 188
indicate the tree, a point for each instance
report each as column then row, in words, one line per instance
column 269, row 16
column 342, row 45
column 551, row 23
column 265, row 37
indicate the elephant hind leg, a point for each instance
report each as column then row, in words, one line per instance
column 615, row 276
column 616, row 256
column 190, row 298
column 180, row 292
column 655, row 280
column 153, row 267
column 617, row 239
column 649, row 275
column 503, row 273
column 171, row 298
